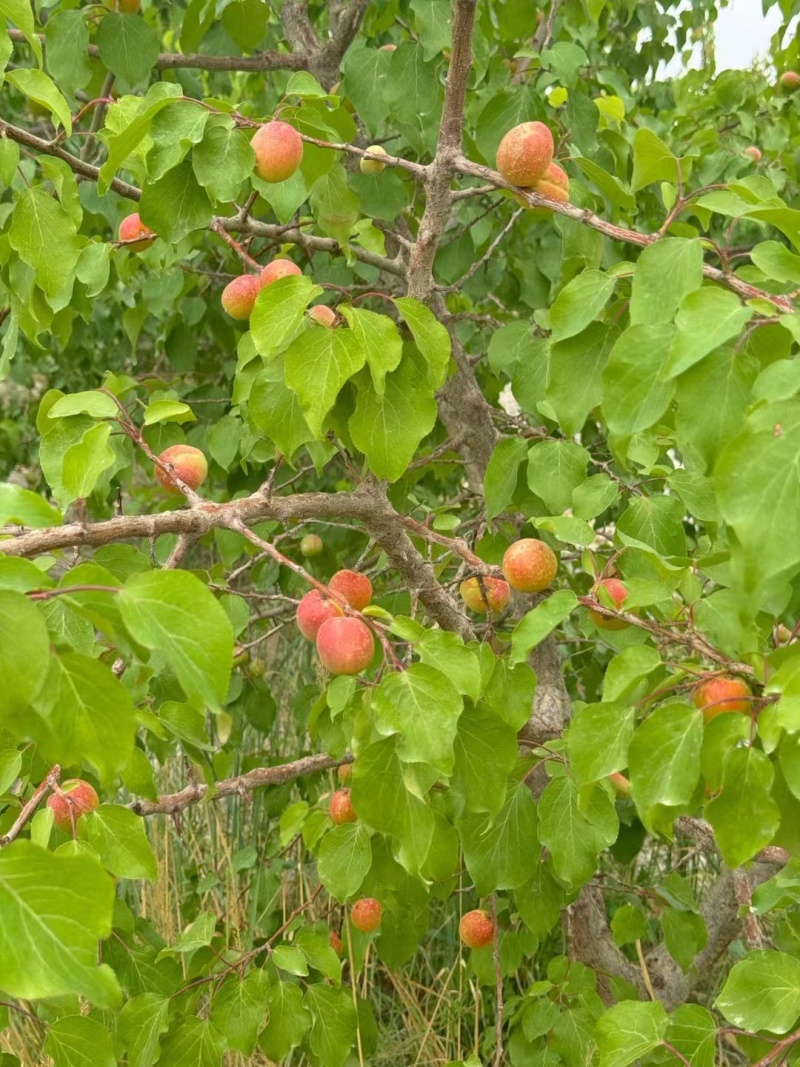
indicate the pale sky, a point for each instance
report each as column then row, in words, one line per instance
column 742, row 33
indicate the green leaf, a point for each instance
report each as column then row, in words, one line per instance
column 633, row 396
column 290, row 959
column 502, row 851
column 485, row 755
column 55, row 909
column 119, row 839
column 538, row 623
column 629, row 1030
column 432, row 339
column 685, row 935
column 433, row 21
column 575, row 836
column 389, row 429
column 276, row 411
column 21, row 14
column 366, row 70
column 43, row 234
column 334, row 204
column 174, row 131
column 574, row 381
column 379, row 338
column 776, row 261
column 655, row 521
column 693, row 1032
column 287, row 1021
column 84, row 713
column 555, row 469
column 193, row 1043
column 757, row 481
column 744, row 815
column 67, row 37
column 79, row 1041
column 24, row 653
column 176, row 204
column 279, row 312
column 223, row 159
column 379, row 793
column 173, row 613
column 664, row 763
column 142, row 1021
column 594, row 496
column 706, row 319
column 85, row 462
column 611, row 187
column 333, row 1023
column 598, row 739
column 580, row 301
column 344, row 859
column 666, row 272
column 448, row 653
column 628, row 924
column 652, row 161
column 239, row 1008
column 422, row 705
column 502, row 472
column 132, row 133
column 168, row 411
column 128, row 46
column 510, row 692
column 36, row 85
column 318, row 363
column 627, row 669
column 762, row 992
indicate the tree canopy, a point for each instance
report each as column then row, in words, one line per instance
column 399, row 570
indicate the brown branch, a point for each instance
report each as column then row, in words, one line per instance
column 78, row 166
column 618, row 233
column 263, row 61
column 243, row 783
column 29, row 809
column 744, row 898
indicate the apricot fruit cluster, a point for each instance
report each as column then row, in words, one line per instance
column 344, row 644
column 525, row 158
column 188, row 464
column 239, row 296
column 73, row 800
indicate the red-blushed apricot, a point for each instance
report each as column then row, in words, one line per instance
column 754, row 153
column 619, row 594
column 344, row 772
column 239, row 296
column 373, row 166
column 341, row 808
column 312, row 611
column 485, row 594
column 525, row 153
column 278, row 268
column 311, row 545
column 529, row 565
column 554, row 185
column 74, row 800
column 476, row 929
column 278, row 149
column 134, row 230
column 189, row 464
column 336, row 943
column 355, row 588
column 716, row 696
column 366, row 914
column 345, row 645
column 789, row 80
column 622, row 787
column 323, row 315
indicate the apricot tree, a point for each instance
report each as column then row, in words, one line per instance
column 399, row 565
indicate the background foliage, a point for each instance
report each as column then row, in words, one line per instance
column 615, row 375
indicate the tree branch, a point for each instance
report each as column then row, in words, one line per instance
column 243, row 783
